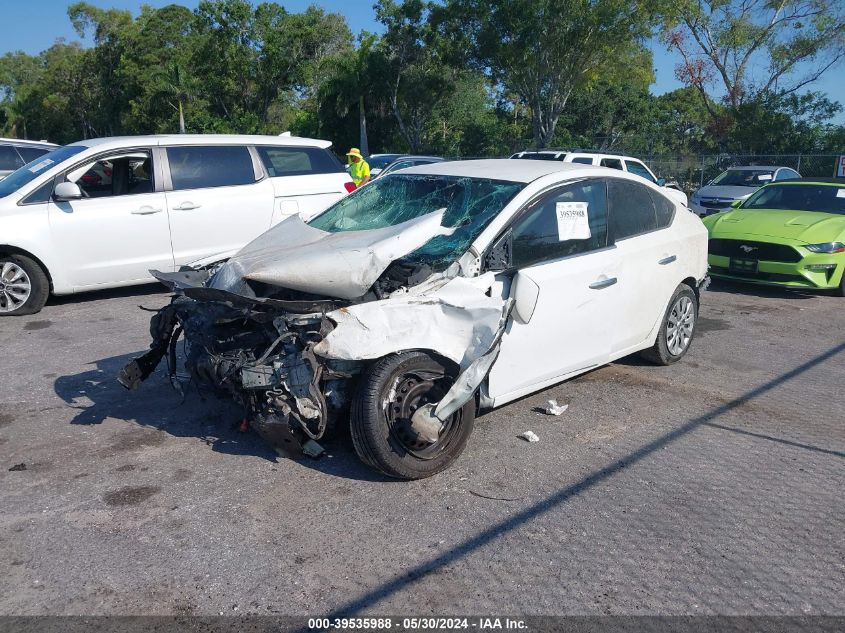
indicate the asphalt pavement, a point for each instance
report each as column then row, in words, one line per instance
column 714, row 486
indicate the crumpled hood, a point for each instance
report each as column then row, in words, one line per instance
column 811, row 227
column 725, row 191
column 345, row 265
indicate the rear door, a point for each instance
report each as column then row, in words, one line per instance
column 217, row 197
column 119, row 230
column 640, row 225
column 576, row 272
column 306, row 180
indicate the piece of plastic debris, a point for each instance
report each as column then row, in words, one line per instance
column 529, row 436
column 554, row 408
column 312, row 449
column 17, row 467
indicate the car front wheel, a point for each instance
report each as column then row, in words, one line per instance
column 384, row 434
column 677, row 330
column 24, row 286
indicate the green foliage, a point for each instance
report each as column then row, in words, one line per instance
column 453, row 77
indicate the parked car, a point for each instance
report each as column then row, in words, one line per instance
column 408, row 161
column 603, row 159
column 425, row 295
column 377, row 162
column 101, row 213
column 15, row 153
column 788, row 233
column 736, row 183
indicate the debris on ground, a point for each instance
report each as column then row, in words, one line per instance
column 529, row 436
column 17, row 467
column 554, row 408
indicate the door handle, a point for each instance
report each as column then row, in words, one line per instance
column 187, row 206
column 604, row 283
column 667, row 260
column 145, row 210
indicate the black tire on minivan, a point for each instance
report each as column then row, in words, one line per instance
column 24, row 286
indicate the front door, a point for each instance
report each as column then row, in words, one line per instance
column 119, row 230
column 576, row 270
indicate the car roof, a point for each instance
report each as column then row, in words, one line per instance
column 26, row 143
column 580, row 152
column 203, row 139
column 501, row 169
column 416, row 156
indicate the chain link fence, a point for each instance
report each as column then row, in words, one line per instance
column 693, row 172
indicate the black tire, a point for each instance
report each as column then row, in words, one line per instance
column 380, row 425
column 668, row 349
column 840, row 292
column 34, row 275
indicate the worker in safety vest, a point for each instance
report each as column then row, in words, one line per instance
column 359, row 170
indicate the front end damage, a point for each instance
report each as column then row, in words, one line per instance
column 289, row 348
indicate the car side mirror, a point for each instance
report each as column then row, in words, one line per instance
column 66, row 191
column 736, row 204
column 524, row 292
column 661, row 182
column 499, row 257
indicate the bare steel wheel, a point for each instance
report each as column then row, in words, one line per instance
column 383, row 430
column 677, row 328
column 15, row 287
column 24, row 286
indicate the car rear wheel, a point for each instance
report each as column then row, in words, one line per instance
column 383, row 433
column 24, row 286
column 677, row 330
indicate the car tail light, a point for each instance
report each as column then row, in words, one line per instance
column 350, row 186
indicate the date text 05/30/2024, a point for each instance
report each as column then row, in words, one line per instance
column 416, row 624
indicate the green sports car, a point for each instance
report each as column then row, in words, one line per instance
column 789, row 233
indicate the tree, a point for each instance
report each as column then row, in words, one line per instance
column 419, row 78
column 788, row 43
column 543, row 50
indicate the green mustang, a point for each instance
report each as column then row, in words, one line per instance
column 788, row 233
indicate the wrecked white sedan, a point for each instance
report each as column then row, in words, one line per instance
column 431, row 294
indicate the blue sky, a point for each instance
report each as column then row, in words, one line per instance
column 32, row 30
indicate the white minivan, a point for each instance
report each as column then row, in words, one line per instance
column 101, row 213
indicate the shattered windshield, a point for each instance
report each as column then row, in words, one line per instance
column 469, row 203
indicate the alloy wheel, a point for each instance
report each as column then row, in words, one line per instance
column 15, row 286
column 680, row 325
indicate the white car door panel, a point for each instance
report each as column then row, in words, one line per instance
column 118, row 233
column 579, row 283
column 640, row 221
column 215, row 202
column 569, row 330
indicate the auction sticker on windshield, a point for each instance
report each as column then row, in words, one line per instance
column 572, row 221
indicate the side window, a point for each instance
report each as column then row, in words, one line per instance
column 193, row 167
column 567, row 221
column 636, row 167
column 613, row 163
column 664, row 208
column 297, row 161
column 631, row 209
column 9, row 159
column 29, row 154
column 584, row 160
column 127, row 173
column 787, row 174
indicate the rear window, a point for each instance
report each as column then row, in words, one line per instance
column 213, row 166
column 298, row 161
column 9, row 159
column 31, row 153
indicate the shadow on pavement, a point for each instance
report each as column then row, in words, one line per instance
column 438, row 563
column 766, row 292
column 201, row 414
column 147, row 290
